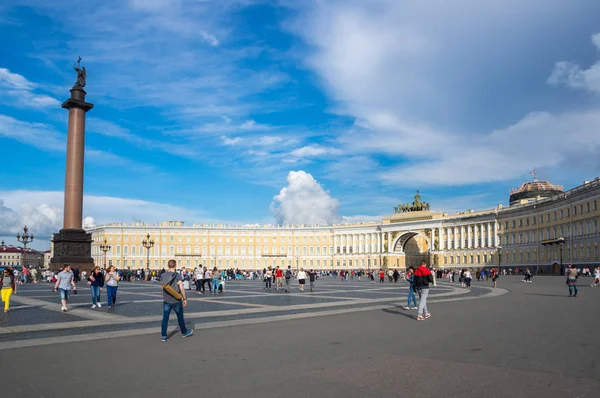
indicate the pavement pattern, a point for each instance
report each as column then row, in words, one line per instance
column 346, row 339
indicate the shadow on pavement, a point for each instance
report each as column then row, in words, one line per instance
column 396, row 312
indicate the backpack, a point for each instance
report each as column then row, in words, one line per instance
column 288, row 274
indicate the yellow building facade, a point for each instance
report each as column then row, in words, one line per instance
column 527, row 233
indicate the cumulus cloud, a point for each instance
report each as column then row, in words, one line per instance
column 304, row 201
column 572, row 75
column 41, row 219
column 89, row 222
column 42, row 212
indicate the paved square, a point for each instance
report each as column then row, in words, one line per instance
column 346, row 339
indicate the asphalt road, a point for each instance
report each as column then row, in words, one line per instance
column 533, row 341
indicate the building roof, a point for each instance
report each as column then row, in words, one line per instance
column 534, row 189
column 12, row 249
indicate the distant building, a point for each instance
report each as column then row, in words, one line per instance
column 18, row 257
column 47, row 257
column 543, row 227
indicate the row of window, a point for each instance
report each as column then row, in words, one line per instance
column 583, row 252
column 470, row 259
column 243, row 263
column 219, row 239
column 220, row 250
column 559, row 214
column 586, row 228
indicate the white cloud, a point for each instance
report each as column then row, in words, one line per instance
column 89, row 222
column 314, row 150
column 395, row 75
column 42, row 212
column 304, row 201
column 230, row 141
column 39, row 135
column 41, row 219
column 17, row 91
column 571, row 74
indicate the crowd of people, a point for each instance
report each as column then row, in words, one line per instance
column 176, row 282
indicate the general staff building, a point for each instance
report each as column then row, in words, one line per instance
column 544, row 227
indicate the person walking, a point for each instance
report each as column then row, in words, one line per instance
column 495, row 275
column 96, row 282
column 572, row 276
column 596, row 277
column 64, row 284
column 527, row 275
column 278, row 278
column 8, row 287
column 301, row 279
column 215, row 281
column 207, row 279
column 112, row 284
column 269, row 279
column 468, row 278
column 312, row 275
column 199, row 276
column 422, row 280
column 176, row 302
column 288, row 278
column 410, row 278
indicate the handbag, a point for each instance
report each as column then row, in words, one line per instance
column 170, row 291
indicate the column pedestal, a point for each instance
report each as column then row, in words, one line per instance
column 73, row 247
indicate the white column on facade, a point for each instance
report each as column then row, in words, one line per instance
column 440, row 239
column 469, row 236
column 488, row 230
column 379, row 243
column 476, row 235
column 448, row 241
column 334, row 244
column 389, row 242
column 455, row 230
column 496, row 233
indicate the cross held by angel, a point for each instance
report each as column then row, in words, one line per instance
column 81, row 74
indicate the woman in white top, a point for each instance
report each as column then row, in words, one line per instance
column 111, row 280
column 596, row 277
column 468, row 276
column 301, row 278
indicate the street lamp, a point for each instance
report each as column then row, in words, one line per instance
column 561, row 242
column 25, row 239
column 297, row 261
column 499, row 258
column 148, row 244
column 105, row 247
column 2, row 245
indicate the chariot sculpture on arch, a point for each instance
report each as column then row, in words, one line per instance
column 417, row 205
column 81, row 74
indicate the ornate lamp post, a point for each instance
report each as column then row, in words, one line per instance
column 561, row 242
column 105, row 247
column 148, row 243
column 2, row 245
column 25, row 239
column 499, row 258
column 297, row 260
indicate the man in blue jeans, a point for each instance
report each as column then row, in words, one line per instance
column 172, row 278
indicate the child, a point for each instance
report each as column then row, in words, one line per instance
column 410, row 278
column 221, row 285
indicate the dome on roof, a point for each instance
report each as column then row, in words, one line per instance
column 534, row 189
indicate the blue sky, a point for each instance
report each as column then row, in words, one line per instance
column 203, row 108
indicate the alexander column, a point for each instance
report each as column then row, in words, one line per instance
column 72, row 245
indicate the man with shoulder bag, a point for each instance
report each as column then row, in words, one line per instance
column 173, row 299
